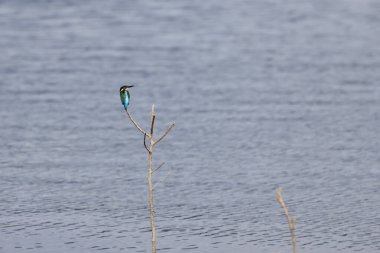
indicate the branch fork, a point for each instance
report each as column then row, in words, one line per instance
column 145, row 133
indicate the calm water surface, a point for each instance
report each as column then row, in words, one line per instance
column 264, row 94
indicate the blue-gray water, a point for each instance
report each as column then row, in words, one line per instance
column 264, row 94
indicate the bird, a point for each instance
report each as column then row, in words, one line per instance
column 125, row 96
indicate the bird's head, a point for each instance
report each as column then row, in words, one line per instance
column 125, row 87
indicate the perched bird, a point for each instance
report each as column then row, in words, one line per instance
column 124, row 95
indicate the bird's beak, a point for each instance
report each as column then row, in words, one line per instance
column 130, row 86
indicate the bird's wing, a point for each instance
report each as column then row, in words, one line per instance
column 122, row 97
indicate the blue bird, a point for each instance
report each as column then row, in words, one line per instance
column 125, row 96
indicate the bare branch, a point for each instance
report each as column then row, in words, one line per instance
column 136, row 125
column 150, row 149
column 162, row 164
column 291, row 220
column 145, row 143
column 165, row 133
column 150, row 182
column 152, row 118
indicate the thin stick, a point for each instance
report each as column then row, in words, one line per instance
column 150, row 170
column 159, row 166
column 291, row 220
column 135, row 123
column 152, row 118
column 145, row 143
column 150, row 182
column 165, row 133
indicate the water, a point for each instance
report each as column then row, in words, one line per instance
column 264, row 94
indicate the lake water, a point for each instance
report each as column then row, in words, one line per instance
column 264, row 94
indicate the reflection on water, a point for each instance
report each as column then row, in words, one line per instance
column 263, row 93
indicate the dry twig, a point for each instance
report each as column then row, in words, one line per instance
column 165, row 133
column 135, row 123
column 150, row 149
column 291, row 220
column 159, row 166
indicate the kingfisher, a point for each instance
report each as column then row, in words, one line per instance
column 124, row 95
